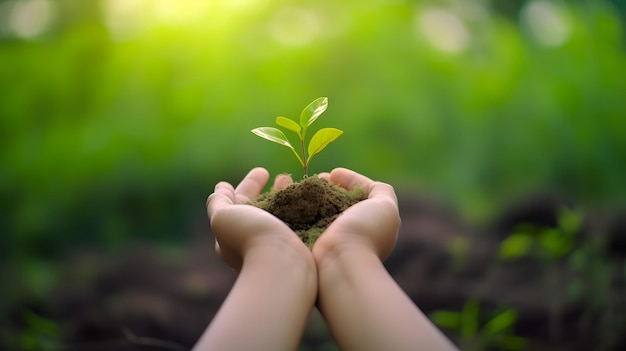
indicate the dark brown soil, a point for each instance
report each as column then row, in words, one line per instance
column 310, row 206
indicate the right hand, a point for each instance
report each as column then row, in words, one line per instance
column 371, row 224
column 239, row 227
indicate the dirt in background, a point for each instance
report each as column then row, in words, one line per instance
column 167, row 294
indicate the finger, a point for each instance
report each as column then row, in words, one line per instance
column 383, row 191
column 218, row 250
column 348, row 178
column 221, row 186
column 324, row 175
column 223, row 196
column 251, row 185
column 282, row 181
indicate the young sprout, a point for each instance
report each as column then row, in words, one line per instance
column 318, row 142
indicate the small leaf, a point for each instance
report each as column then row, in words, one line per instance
column 446, row 319
column 272, row 134
column 277, row 136
column 501, row 322
column 469, row 318
column 555, row 242
column 321, row 139
column 289, row 124
column 570, row 221
column 511, row 343
column 515, row 246
column 312, row 111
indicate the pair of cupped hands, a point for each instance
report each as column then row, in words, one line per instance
column 370, row 225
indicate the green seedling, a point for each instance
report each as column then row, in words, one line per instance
column 318, row 142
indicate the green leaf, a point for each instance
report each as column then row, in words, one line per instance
column 312, row 111
column 469, row 319
column 570, row 221
column 501, row 322
column 515, row 246
column 289, row 124
column 277, row 136
column 555, row 242
column 40, row 324
column 512, row 343
column 446, row 319
column 272, row 134
column 321, row 139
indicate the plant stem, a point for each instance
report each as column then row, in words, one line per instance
column 304, row 160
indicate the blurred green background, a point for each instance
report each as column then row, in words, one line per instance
column 118, row 117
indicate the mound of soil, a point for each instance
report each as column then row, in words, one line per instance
column 309, row 206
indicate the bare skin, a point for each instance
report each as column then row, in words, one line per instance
column 362, row 304
column 270, row 302
column 279, row 278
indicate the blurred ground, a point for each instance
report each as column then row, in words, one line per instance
column 171, row 293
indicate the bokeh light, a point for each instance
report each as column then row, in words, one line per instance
column 444, row 30
column 546, row 21
column 27, row 18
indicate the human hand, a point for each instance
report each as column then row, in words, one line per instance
column 371, row 224
column 239, row 228
column 276, row 284
column 352, row 279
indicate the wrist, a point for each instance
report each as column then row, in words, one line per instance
column 341, row 247
column 343, row 259
column 283, row 250
column 285, row 268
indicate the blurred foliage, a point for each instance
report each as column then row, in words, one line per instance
column 117, row 117
column 497, row 332
column 546, row 243
column 41, row 334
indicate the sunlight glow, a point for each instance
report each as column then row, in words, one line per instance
column 295, row 26
column 443, row 30
column 180, row 12
column 546, row 22
column 126, row 19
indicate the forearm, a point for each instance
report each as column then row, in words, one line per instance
column 268, row 306
column 367, row 310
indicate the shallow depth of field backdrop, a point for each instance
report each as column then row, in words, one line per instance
column 117, row 117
